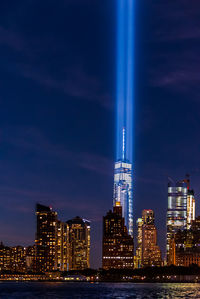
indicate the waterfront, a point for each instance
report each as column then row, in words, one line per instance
column 61, row 290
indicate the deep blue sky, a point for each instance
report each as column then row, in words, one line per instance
column 57, row 96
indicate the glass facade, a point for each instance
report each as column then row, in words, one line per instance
column 123, row 192
column 190, row 208
column 177, row 211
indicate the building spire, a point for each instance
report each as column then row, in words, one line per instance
column 124, row 144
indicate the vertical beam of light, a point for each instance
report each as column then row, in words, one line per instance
column 130, row 79
column 123, row 174
column 125, row 79
column 121, row 70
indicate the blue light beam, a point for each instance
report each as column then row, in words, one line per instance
column 125, row 79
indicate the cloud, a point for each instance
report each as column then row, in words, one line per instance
column 20, row 204
column 175, row 34
column 176, row 21
column 76, row 84
column 177, row 72
column 180, row 80
column 73, row 81
column 22, row 201
column 95, row 163
column 30, row 139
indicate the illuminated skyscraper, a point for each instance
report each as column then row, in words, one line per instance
column 176, row 212
column 79, row 244
column 148, row 252
column 62, row 245
column 148, row 217
column 123, row 170
column 151, row 254
column 190, row 208
column 190, row 202
column 180, row 213
column 46, row 239
column 138, row 258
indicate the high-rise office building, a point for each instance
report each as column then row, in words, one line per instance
column 123, row 191
column 176, row 212
column 118, row 246
column 138, row 256
column 123, row 170
column 180, row 213
column 79, row 244
column 186, row 246
column 148, row 217
column 46, row 239
column 148, row 252
column 190, row 202
column 62, row 246
column 151, row 254
column 190, row 208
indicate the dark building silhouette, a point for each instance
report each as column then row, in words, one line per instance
column 118, row 245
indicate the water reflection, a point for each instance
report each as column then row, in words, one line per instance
column 98, row 290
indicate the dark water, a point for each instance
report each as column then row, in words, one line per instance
column 58, row 290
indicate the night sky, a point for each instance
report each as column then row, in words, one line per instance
column 57, row 110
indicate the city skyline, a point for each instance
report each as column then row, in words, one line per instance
column 57, row 99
